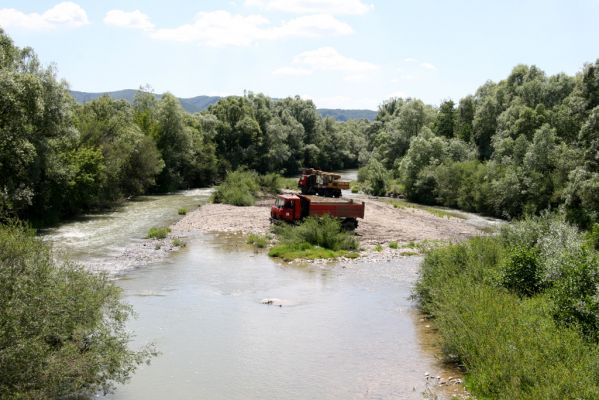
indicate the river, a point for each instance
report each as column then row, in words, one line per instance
column 343, row 331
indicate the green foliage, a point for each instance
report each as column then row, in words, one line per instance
column 593, row 236
column 182, row 211
column 239, row 189
column 378, row 248
column 501, row 338
column 270, row 183
column 314, row 238
column 158, row 233
column 373, row 178
column 259, row 241
column 63, row 328
column 393, row 245
column 522, row 272
column 178, row 242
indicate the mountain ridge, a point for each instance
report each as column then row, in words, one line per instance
column 202, row 102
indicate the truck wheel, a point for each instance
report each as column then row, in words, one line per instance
column 349, row 224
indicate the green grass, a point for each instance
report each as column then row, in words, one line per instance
column 178, row 242
column 242, row 187
column 378, row 248
column 158, row 233
column 314, row 238
column 409, row 253
column 393, row 245
column 289, row 183
column 258, row 241
column 517, row 341
column 292, row 251
column 182, row 211
column 431, row 210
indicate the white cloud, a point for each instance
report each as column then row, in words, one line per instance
column 422, row 64
column 428, row 66
column 328, row 59
column 134, row 19
column 67, row 14
column 221, row 28
column 311, row 26
column 348, row 7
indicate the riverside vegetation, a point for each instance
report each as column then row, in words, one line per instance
column 519, row 311
column 63, row 328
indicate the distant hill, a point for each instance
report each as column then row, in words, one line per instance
column 344, row 115
column 200, row 103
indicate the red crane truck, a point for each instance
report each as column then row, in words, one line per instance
column 296, row 207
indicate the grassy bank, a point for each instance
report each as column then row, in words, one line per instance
column 315, row 238
column 519, row 311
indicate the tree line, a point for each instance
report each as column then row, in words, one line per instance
column 525, row 144
column 59, row 158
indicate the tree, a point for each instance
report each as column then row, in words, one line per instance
column 446, row 118
column 63, row 328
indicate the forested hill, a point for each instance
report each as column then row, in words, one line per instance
column 200, row 103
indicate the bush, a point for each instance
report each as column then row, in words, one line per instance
column 593, row 236
column 239, row 189
column 393, row 245
column 271, row 183
column 511, row 347
column 539, row 339
column 63, row 328
column 522, row 271
column 374, row 178
column 259, row 241
column 158, row 233
column 182, row 211
column 314, row 238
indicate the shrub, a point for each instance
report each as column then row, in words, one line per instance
column 178, row 242
column 271, row 183
column 63, row 328
column 374, row 178
column 393, row 245
column 239, row 189
column 158, row 233
column 536, row 340
column 522, row 271
column 259, row 241
column 593, row 236
column 182, row 211
column 311, row 238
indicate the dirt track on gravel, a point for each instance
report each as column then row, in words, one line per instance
column 382, row 222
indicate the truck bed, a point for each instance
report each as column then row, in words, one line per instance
column 336, row 207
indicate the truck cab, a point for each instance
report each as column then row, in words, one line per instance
column 287, row 207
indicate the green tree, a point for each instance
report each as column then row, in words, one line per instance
column 63, row 328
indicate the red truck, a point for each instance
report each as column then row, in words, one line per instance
column 296, row 207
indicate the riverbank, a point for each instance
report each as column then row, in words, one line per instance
column 385, row 233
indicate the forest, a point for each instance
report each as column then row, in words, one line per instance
column 525, row 144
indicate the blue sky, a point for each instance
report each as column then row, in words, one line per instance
column 340, row 53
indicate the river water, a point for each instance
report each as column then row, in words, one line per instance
column 343, row 331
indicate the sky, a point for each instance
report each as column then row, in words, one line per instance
column 339, row 53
